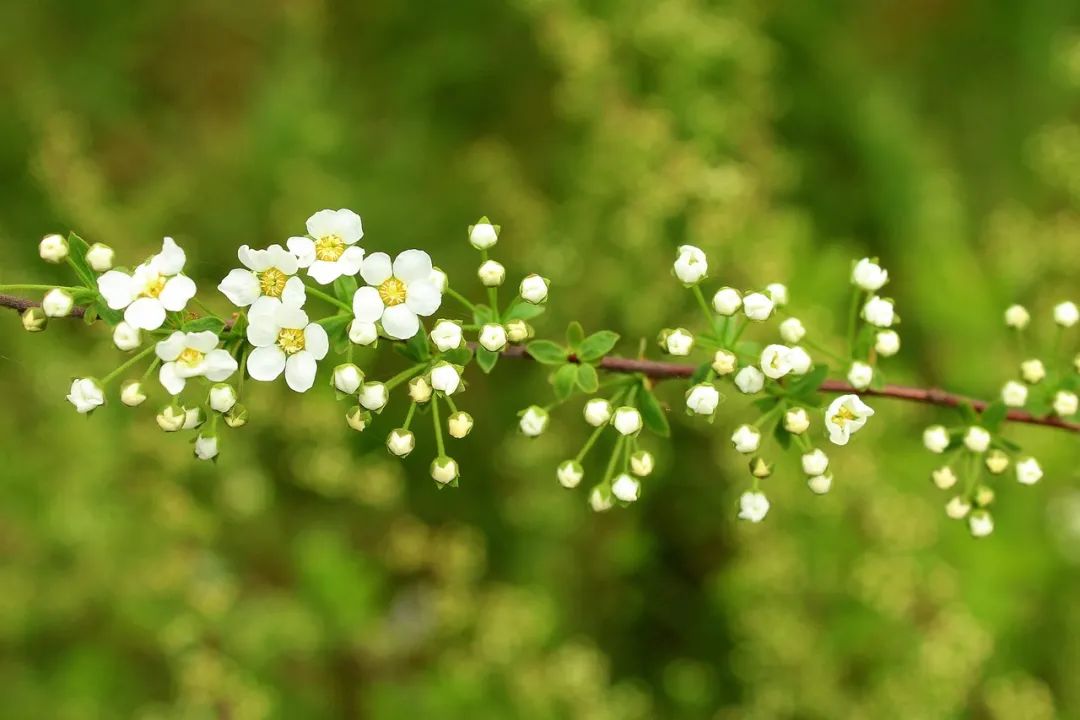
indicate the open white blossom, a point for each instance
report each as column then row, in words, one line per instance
column 1017, row 316
column 446, row 335
column 753, row 506
column 597, row 412
column 774, row 361
column 86, row 395
column 792, row 330
column 152, row 289
column 727, row 301
column 757, row 307
column 266, row 273
column 746, row 439
column 533, row 421
column 702, row 399
column 1066, row 314
column 285, row 341
column 879, row 312
column 570, row 474
column 397, row 294
column 977, row 439
column 936, row 438
column 329, row 250
column 860, row 375
column 534, row 289
column 749, row 380
column 1065, row 403
column 1014, row 394
column 690, row 264
column 626, row 488
column 190, row 355
column 845, row 416
column 887, row 343
column 869, row 275
column 1028, row 471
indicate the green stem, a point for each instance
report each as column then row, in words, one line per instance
column 460, row 298
column 112, row 376
column 738, row 333
column 615, row 453
column 589, row 443
column 451, row 403
column 821, row 349
column 437, row 425
column 150, row 370
column 327, row 297
column 409, row 415
column 853, row 320
column 710, row 320
column 404, row 375
column 38, row 287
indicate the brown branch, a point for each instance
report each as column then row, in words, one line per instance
column 665, row 371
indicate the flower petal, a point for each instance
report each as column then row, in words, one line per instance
column 263, row 310
column 423, row 298
column 117, row 289
column 290, row 316
column 204, row 341
column 322, row 223
column 170, row 260
column 219, row 365
column 257, row 260
column 376, row 268
column 282, row 259
column 350, row 261
column 316, row 341
column 145, row 314
column 300, row 371
column 241, row 287
column 266, row 363
column 303, row 248
column 294, row 292
column 324, row 272
column 400, row 322
column 367, row 305
column 169, row 380
column 170, row 348
column 349, row 226
column 412, row 265
column 176, row 293
column 262, row 331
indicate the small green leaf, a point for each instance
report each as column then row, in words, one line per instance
column 563, row 380
column 587, row 379
column 783, row 437
column 486, row 359
column 416, row 348
column 523, row 311
column 482, row 315
column 808, row 384
column 993, row 415
column 106, row 313
column 546, row 352
column 652, row 414
column 597, row 345
column 90, row 315
column 700, row 373
column 203, row 324
column 344, row 288
column 574, row 335
column 77, row 249
column 458, row 356
column 968, row 413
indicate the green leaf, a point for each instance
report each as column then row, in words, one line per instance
column 652, row 414
column 77, row 249
column 700, row 373
column 486, row 359
column 482, row 315
column 523, row 311
column 563, row 381
column 574, row 335
column 546, row 352
column 416, row 348
column 106, row 313
column 203, row 324
column 90, row 315
column 783, row 437
column 993, row 415
column 809, row 383
column 344, row 288
column 587, row 379
column 458, row 356
column 597, row 345
column 968, row 413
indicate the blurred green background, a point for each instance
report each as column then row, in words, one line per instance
column 307, row 575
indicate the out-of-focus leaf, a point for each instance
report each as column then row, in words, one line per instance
column 652, row 413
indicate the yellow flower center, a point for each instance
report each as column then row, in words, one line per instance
column 290, row 340
column 329, row 247
column 272, row 282
column 392, row 292
column 843, row 415
column 154, row 286
column 190, row 357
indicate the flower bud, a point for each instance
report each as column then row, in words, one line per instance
column 936, row 438
column 533, row 421
column 869, row 275
column 206, row 447
column 757, row 307
column 820, row 484
column 347, row 378
column 373, row 395
column 600, row 499
column 357, row 418
column 126, row 337
column 860, row 375
column 491, row 273
column 483, row 234
column 597, row 412
column 1017, row 316
column 815, row 462
column 401, row 442
column 724, row 362
column 1032, row 371
column 1066, row 314
column 702, row 399
column 746, row 439
column 1028, row 471
column 1065, row 403
column 34, row 320
column 534, row 289
column 997, row 462
column 887, row 343
column 944, row 477
column 222, row 398
column 445, row 378
column 1014, row 394
column 193, row 418
column 958, row 507
column 983, row 496
column 132, row 393
column 760, row 468
column 518, row 331
column 444, row 470
column 799, row 360
column 438, row 279
column 626, row 488
column 171, row 418
column 570, row 474
column 792, row 330
column 363, row 333
column 879, row 312
column 678, row 342
column 627, row 420
column 57, row 303
column 981, row 523
column 778, row 293
column 690, row 265
column 419, row 390
column 642, row 463
column 796, row 421
column 237, row 416
column 53, row 249
column 446, row 335
column 753, row 506
column 86, row 395
column 459, row 424
column 493, row 337
column 977, row 439
column 727, row 301
column 749, row 380
column 100, row 257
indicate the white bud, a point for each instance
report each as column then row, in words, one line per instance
column 1017, row 316
column 869, row 275
column 679, row 342
column 357, row 418
column 459, row 424
column 534, row 289
column 1028, row 471
column 977, row 439
column 860, row 375
column 132, row 393
column 958, row 507
column 936, row 438
column 724, row 362
column 493, row 337
column 981, row 523
column 1032, row 371
column 193, row 418
column 887, row 343
column 518, row 330
column 400, row 442
column 879, row 312
column 570, row 474
column 627, row 420
column 222, row 398
column 749, row 380
column 171, row 418
column 57, row 303
column 373, row 395
column 206, row 447
column 438, row 279
column 100, row 257
column 597, row 412
column 419, row 389
column 126, row 337
column 347, row 378
column 445, row 378
column 944, row 477
column 1014, row 394
column 757, row 306
column 237, row 417
column 53, row 249
column 815, row 462
column 799, row 360
column 702, row 399
column 746, row 439
column 491, row 273
column 997, row 462
column 483, row 235
column 34, row 320
column 363, row 333
column 446, row 335
column 533, row 421
column 1066, row 314
column 792, row 330
column 444, row 470
column 774, row 361
column 727, row 301
column 753, row 506
column 819, row 484
column 778, row 293
column 690, row 265
column 642, row 463
column 600, row 499
column 86, row 395
column 626, row 488
column 796, row 421
column 1065, row 403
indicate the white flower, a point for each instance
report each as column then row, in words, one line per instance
column 285, row 341
column 597, row 412
column 132, row 393
column 815, row 462
column 724, row 362
column 1014, row 394
column 879, row 312
column 374, row 395
column 799, row 360
column 727, row 301
column 1066, row 314
column 444, row 470
column 1032, row 371
column 491, row 273
column 690, row 264
column 860, row 375
column 53, row 248
column 397, row 294
column 626, row 488
column 936, row 438
column 483, row 235
column 600, row 499
column 154, row 288
column 778, row 293
column 266, row 273
column 977, row 439
column 57, row 303
column 206, row 447
column 362, row 333
column 981, row 523
column 1028, row 471
column 774, row 361
column 868, row 275
column 746, row 439
column 419, row 390
column 446, row 335
column 445, row 378
column 642, row 463
column 1065, row 403
column 753, row 506
column 796, row 421
column 792, row 330
column 958, row 507
column 887, row 343
column 329, row 250
column 189, row 355
column 627, row 420
column 819, row 484
column 493, row 337
column 944, row 477
column 1017, row 316
column 459, row 424
column 702, row 399
column 534, row 289
column 439, row 280
column 757, row 306
column 86, row 394
column 846, row 415
column 126, row 337
column 100, row 257
column 400, row 442
column 679, row 342
column 570, row 474
column 222, row 398
column 347, row 378
column 533, row 421
column 749, row 380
